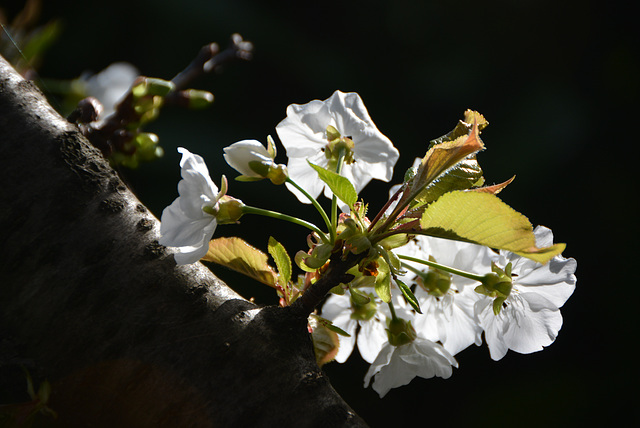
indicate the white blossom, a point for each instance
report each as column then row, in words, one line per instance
column 449, row 318
column 371, row 334
column 530, row 317
column 303, row 134
column 397, row 365
column 239, row 155
column 185, row 224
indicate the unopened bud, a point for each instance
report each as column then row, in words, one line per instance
column 400, row 332
column 197, row 99
column 229, row 210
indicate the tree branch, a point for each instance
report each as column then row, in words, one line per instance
column 126, row 337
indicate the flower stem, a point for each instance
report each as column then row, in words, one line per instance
column 443, row 267
column 314, row 202
column 393, row 311
column 334, row 200
column 273, row 214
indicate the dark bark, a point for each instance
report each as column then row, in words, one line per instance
column 126, row 337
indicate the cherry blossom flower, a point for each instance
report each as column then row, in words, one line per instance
column 239, row 156
column 255, row 162
column 190, row 221
column 397, row 365
column 367, row 322
column 530, row 317
column 303, row 133
column 447, row 312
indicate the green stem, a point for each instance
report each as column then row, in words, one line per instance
column 443, row 267
column 334, row 200
column 393, row 311
column 314, row 202
column 273, row 214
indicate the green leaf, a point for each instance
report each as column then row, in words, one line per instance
column 482, row 218
column 408, row 294
column 463, row 127
column 383, row 281
column 463, row 176
column 283, row 262
column 443, row 156
column 237, row 255
column 339, row 185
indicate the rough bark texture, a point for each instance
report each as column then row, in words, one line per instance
column 125, row 337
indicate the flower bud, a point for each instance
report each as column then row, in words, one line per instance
column 498, row 285
column 198, row 99
column 229, row 210
column 400, row 332
column 252, row 160
column 152, row 86
column 278, row 174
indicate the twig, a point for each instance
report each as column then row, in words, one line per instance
column 209, row 58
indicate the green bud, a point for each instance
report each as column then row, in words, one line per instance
column 229, row 210
column 159, row 87
column 357, row 298
column 435, row 281
column 140, row 89
column 198, row 99
column 278, row 174
column 498, row 285
column 146, row 139
column 147, row 146
column 363, row 306
column 400, row 332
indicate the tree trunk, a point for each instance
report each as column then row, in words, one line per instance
column 97, row 307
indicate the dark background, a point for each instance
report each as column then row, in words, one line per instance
column 557, row 82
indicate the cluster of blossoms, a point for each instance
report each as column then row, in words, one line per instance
column 455, row 311
column 442, row 264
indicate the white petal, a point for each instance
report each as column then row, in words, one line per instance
column 372, row 338
column 238, row 155
column 303, row 134
column 306, row 177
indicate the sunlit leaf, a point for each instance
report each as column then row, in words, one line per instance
column 462, row 176
column 496, row 188
column 237, row 255
column 383, row 281
column 443, row 156
column 482, row 218
column 339, row 185
column 283, row 262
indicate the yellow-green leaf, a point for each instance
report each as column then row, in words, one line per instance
column 383, row 281
column 339, row 185
column 235, row 254
column 482, row 218
column 283, row 262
